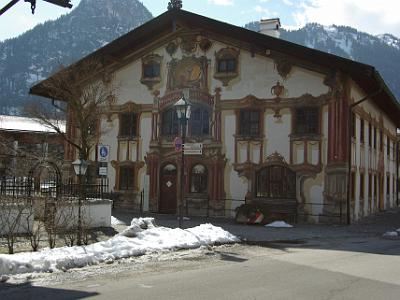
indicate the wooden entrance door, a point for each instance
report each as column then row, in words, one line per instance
column 168, row 199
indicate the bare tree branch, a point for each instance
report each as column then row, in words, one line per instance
column 84, row 96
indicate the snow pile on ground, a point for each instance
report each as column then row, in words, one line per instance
column 279, row 224
column 115, row 221
column 139, row 238
column 392, row 235
column 138, row 225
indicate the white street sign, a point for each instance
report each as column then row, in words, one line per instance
column 193, row 148
column 103, row 171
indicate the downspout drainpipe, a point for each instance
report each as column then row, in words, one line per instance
column 349, row 132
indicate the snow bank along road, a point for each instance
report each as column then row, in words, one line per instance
column 356, row 268
column 139, row 238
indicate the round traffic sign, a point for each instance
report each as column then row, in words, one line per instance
column 178, row 143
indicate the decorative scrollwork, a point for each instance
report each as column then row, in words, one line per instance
column 174, row 4
column 283, row 66
column 171, row 48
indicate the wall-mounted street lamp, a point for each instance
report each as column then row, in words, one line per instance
column 183, row 110
column 80, row 167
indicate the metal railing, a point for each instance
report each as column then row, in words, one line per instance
column 330, row 211
column 205, row 207
column 29, row 187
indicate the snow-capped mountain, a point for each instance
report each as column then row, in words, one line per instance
column 382, row 51
column 33, row 55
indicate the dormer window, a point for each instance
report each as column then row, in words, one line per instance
column 151, row 70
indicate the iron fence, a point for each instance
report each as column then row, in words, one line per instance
column 17, row 187
column 205, row 207
column 330, row 211
column 225, row 207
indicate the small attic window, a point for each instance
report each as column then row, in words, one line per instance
column 226, row 65
column 151, row 70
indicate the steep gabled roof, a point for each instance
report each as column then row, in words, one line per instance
column 366, row 76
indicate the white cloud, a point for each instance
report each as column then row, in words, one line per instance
column 366, row 15
column 260, row 9
column 221, row 2
column 288, row 2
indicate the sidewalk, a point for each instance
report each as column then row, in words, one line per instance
column 372, row 226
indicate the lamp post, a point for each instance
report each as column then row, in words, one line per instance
column 183, row 110
column 80, row 166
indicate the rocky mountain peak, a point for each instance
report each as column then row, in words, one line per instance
column 33, row 55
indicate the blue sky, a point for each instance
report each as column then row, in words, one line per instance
column 372, row 16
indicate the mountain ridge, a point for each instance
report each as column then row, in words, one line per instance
column 35, row 54
column 381, row 51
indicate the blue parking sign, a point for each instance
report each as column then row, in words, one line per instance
column 103, row 153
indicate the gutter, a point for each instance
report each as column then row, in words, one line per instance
column 349, row 132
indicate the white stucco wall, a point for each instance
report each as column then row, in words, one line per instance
column 367, row 158
column 277, row 133
column 257, row 75
column 95, row 213
column 109, row 137
column 235, row 187
column 313, row 192
column 15, row 218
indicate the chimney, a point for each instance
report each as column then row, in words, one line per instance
column 270, row 27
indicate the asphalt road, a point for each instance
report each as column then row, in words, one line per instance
column 350, row 268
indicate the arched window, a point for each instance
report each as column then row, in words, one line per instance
column 198, row 179
column 276, row 182
column 169, row 170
